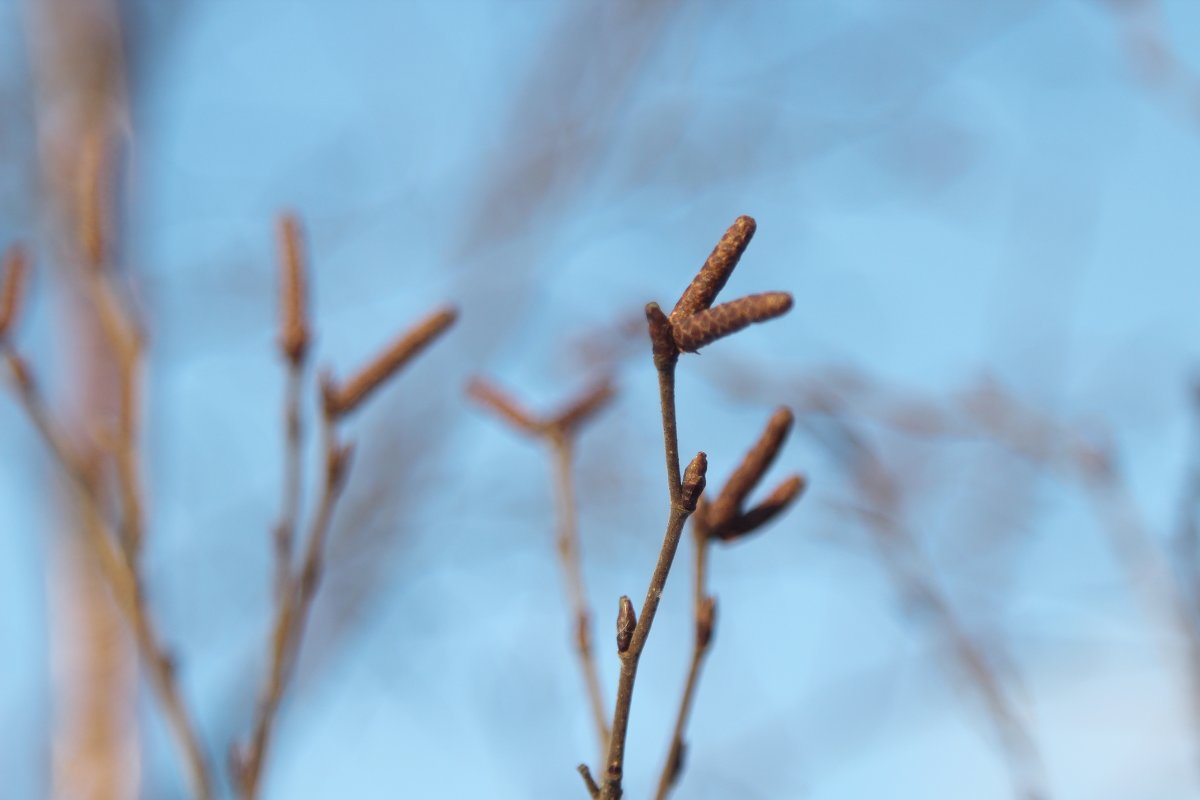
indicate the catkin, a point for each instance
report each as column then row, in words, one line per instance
column 705, row 327
column 755, row 463
column 343, row 399
column 711, row 278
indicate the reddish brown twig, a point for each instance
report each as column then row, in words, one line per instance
column 668, row 335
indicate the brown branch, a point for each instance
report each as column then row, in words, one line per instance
column 292, row 616
column 691, row 325
column 121, row 576
column 705, row 610
column 294, row 340
column 678, row 515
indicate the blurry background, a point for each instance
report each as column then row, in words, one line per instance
column 986, row 211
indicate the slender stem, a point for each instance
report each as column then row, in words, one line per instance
column 571, row 560
column 120, row 574
column 674, row 763
column 658, row 580
column 292, row 618
column 293, row 466
column 126, row 345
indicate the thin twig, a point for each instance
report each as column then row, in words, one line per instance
column 572, row 566
column 559, row 431
column 125, row 342
column 293, row 466
column 120, row 574
column 292, row 616
column 678, row 516
column 704, row 609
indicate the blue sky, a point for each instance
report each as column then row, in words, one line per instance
column 950, row 190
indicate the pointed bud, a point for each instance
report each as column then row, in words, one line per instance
column 705, row 327
column 293, row 290
column 626, row 623
column 662, row 339
column 706, row 621
column 754, row 465
column 704, row 288
column 693, row 482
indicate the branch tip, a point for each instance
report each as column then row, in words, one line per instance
column 592, row 787
column 662, row 339
column 293, row 290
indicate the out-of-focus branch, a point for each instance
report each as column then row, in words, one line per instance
column 120, row 573
column 559, row 431
column 339, row 400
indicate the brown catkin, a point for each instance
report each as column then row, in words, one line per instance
column 779, row 499
column 293, row 290
column 343, row 399
column 747, row 475
column 16, row 265
column 488, row 394
column 711, row 278
column 705, row 327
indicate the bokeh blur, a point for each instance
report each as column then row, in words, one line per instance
column 987, row 214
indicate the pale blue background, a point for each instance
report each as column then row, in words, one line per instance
column 948, row 188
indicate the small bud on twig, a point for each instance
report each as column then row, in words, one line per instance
column 705, row 327
column 693, row 482
column 337, row 464
column 711, row 278
column 293, row 290
column 16, row 265
column 662, row 339
column 343, row 399
column 706, row 620
column 626, row 622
